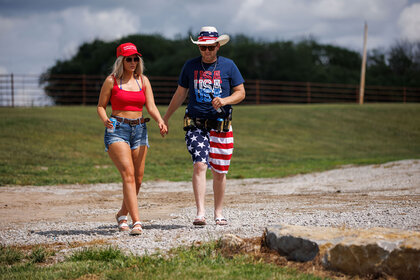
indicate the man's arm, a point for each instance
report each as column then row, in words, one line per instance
column 237, row 96
column 176, row 101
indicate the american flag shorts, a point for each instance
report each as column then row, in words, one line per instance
column 210, row 147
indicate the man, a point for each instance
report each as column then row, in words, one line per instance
column 213, row 83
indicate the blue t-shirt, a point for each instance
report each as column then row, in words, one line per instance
column 201, row 78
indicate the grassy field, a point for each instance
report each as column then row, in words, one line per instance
column 61, row 145
column 196, row 262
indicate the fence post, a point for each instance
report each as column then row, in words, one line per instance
column 84, row 89
column 357, row 95
column 12, row 87
column 308, row 92
column 257, row 88
column 405, row 95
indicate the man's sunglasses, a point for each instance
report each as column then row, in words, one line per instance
column 204, row 48
column 129, row 59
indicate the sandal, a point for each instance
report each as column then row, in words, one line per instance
column 199, row 221
column 137, row 229
column 221, row 221
column 122, row 226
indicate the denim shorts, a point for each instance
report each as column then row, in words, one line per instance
column 135, row 136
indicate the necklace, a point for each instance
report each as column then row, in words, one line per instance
column 215, row 64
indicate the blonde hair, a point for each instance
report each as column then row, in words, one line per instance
column 118, row 68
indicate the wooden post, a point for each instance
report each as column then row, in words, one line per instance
column 257, row 89
column 308, row 92
column 84, row 89
column 12, row 88
column 405, row 95
column 363, row 71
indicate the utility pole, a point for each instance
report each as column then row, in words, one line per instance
column 363, row 71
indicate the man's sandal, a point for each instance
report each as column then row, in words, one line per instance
column 137, row 229
column 199, row 221
column 122, row 223
column 221, row 221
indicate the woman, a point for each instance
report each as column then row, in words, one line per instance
column 125, row 137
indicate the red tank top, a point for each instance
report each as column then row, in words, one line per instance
column 124, row 100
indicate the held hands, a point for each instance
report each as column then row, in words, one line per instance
column 163, row 128
column 166, row 121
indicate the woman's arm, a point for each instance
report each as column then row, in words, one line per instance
column 104, row 97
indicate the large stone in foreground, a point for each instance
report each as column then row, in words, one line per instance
column 376, row 251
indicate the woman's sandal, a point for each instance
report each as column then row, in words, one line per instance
column 137, row 229
column 221, row 221
column 199, row 221
column 122, row 226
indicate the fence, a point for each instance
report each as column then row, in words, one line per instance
column 27, row 90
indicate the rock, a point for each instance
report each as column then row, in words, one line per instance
column 293, row 247
column 231, row 241
column 376, row 251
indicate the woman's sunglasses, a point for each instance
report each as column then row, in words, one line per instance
column 204, row 48
column 129, row 59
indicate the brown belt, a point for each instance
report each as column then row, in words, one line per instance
column 130, row 121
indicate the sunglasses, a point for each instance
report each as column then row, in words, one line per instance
column 129, row 59
column 204, row 48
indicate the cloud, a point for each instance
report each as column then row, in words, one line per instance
column 35, row 34
column 409, row 22
column 3, row 71
column 57, row 35
column 356, row 9
column 329, row 21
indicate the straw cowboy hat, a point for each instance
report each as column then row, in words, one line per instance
column 208, row 35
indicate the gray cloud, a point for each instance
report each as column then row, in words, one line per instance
column 34, row 34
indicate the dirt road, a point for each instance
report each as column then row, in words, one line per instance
column 385, row 195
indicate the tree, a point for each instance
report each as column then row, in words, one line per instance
column 304, row 61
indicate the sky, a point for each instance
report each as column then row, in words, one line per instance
column 34, row 34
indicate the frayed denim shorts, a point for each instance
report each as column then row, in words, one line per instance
column 135, row 136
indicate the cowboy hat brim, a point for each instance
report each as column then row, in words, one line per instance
column 222, row 40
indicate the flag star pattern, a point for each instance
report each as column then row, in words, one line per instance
column 211, row 147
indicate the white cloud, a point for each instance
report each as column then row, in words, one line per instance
column 409, row 22
column 57, row 35
column 355, row 9
column 32, row 43
column 329, row 21
column 3, row 71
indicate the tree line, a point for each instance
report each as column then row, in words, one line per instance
column 302, row 61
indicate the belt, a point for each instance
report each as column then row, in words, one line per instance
column 131, row 121
column 205, row 123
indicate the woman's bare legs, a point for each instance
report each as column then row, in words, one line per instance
column 139, row 160
column 121, row 155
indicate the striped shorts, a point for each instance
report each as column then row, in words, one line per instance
column 210, row 147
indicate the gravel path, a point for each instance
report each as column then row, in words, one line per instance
column 385, row 195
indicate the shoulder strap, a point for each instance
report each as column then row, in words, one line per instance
column 115, row 80
column 141, row 85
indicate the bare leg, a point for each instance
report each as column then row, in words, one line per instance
column 199, row 186
column 219, row 186
column 120, row 153
column 139, row 160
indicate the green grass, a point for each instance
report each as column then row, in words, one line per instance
column 10, row 256
column 61, row 145
column 196, row 262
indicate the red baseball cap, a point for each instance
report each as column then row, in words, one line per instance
column 127, row 49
